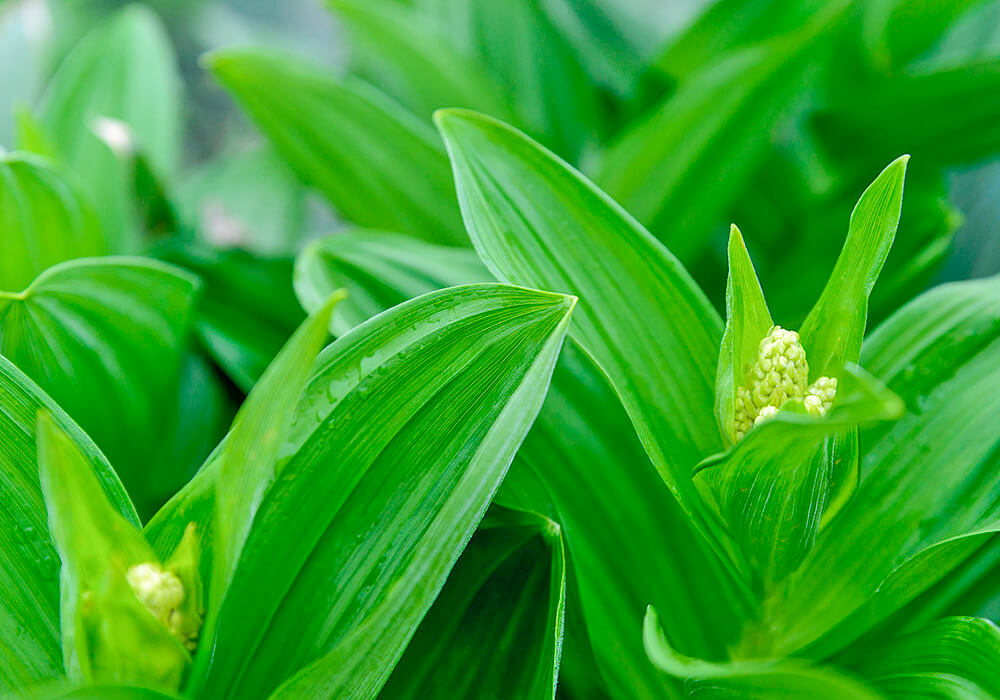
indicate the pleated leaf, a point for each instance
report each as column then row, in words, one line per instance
column 376, row 163
column 410, row 422
column 104, row 337
column 44, row 220
column 30, row 648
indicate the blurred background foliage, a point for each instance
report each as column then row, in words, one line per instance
column 768, row 113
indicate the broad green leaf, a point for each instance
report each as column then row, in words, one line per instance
column 495, row 630
column 379, row 165
column 786, row 678
column 104, row 337
column 965, row 648
column 833, row 330
column 772, row 487
column 411, row 57
column 378, row 270
column 665, row 168
column 931, row 478
column 747, row 322
column 538, row 70
column 245, row 199
column 123, row 70
column 44, row 220
column 107, row 634
column 30, row 648
column 247, row 462
column 247, row 309
column 536, row 221
column 409, row 421
column 581, row 431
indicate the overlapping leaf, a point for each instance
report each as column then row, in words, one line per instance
column 104, row 337
column 441, row 420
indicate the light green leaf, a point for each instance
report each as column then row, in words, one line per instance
column 894, row 32
column 772, row 487
column 58, row 691
column 747, row 322
column 377, row 164
column 104, row 337
column 124, row 70
column 784, row 678
column 378, row 270
column 409, row 421
column 29, row 570
column 245, row 199
column 496, row 628
column 107, row 634
column 247, row 461
column 583, row 451
column 247, row 309
column 411, row 57
column 44, row 220
column 536, row 221
column 963, row 648
column 665, row 168
column 834, row 328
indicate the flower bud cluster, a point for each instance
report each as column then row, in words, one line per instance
column 779, row 375
column 162, row 594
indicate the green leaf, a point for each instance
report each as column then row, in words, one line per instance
column 247, row 462
column 43, row 220
column 247, row 309
column 29, row 609
column 107, row 634
column 104, row 337
column 963, row 648
column 930, row 479
column 895, row 32
column 749, row 679
column 747, row 322
column 409, row 421
column 124, row 70
column 495, row 630
column 539, row 71
column 377, row 164
column 772, row 487
column 581, row 430
column 536, row 221
column 378, row 270
column 100, row 692
column 721, row 118
column 245, row 199
column 834, row 328
column 411, row 57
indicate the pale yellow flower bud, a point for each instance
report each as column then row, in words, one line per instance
column 162, row 594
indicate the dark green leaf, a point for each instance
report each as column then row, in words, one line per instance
column 495, row 629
